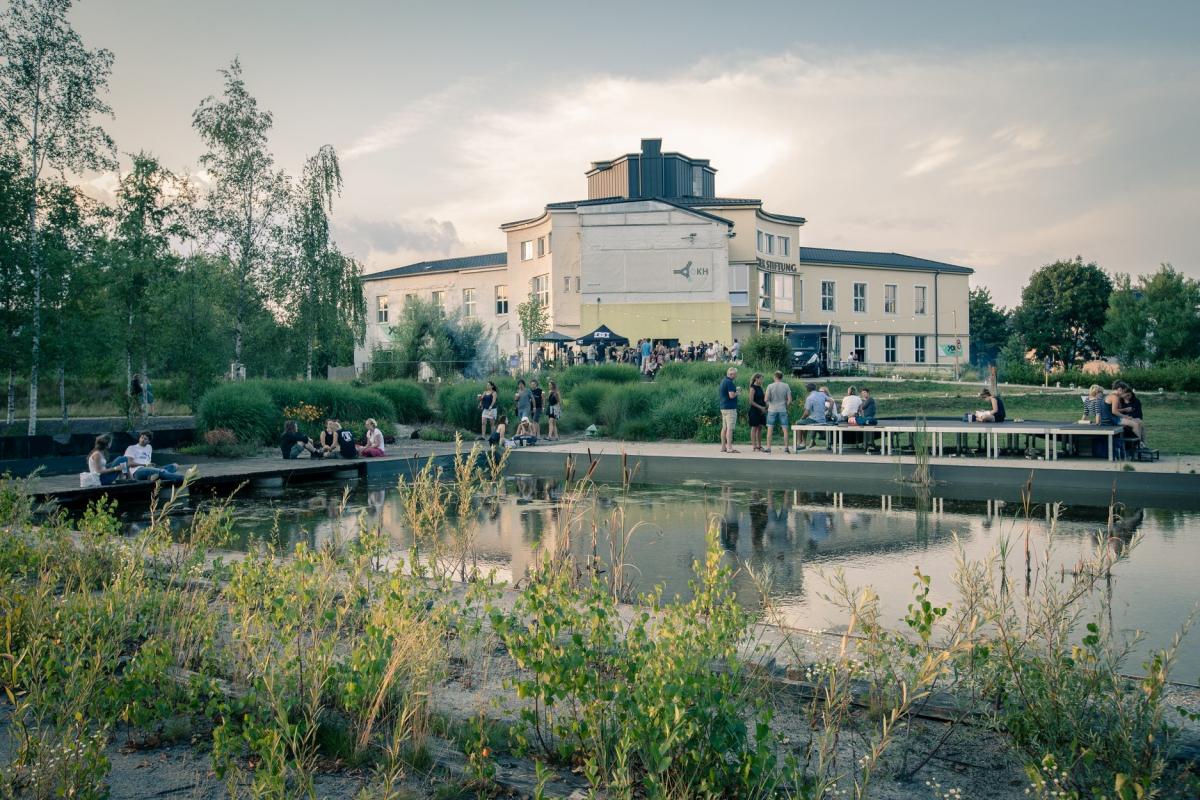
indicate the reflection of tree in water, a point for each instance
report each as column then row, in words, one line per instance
column 730, row 524
column 758, row 519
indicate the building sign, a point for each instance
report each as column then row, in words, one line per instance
column 687, row 270
column 776, row 266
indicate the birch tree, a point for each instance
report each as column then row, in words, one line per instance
column 50, row 94
column 319, row 288
column 248, row 197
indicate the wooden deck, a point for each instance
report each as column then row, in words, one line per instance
column 216, row 474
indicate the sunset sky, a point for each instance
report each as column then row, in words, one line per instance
column 998, row 136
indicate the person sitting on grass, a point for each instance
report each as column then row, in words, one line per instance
column 374, row 448
column 139, row 458
column 993, row 414
column 293, row 443
column 526, row 434
column 98, row 462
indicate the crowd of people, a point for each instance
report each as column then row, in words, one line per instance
column 334, row 442
column 647, row 354
column 531, row 403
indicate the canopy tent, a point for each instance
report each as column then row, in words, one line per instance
column 554, row 336
column 602, row 336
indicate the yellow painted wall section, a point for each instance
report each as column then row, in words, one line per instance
column 688, row 322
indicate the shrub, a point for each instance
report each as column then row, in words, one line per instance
column 245, row 409
column 571, row 377
column 766, row 352
column 573, row 419
column 588, row 396
column 459, row 403
column 696, row 371
column 683, row 411
column 627, row 403
column 408, row 399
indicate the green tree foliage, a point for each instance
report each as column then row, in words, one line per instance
column 14, row 294
column 1155, row 320
column 425, row 334
column 1063, row 310
column 319, row 288
column 767, row 352
column 989, row 326
column 50, row 93
column 243, row 212
column 534, row 318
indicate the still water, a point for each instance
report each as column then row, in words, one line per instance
column 796, row 538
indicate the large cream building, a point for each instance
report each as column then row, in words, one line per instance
column 653, row 252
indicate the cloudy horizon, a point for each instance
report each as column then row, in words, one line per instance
column 1003, row 156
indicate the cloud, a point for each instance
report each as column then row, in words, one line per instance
column 937, row 153
column 377, row 242
column 401, row 125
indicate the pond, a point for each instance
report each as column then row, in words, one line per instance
column 795, row 538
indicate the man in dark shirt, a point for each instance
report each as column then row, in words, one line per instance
column 866, row 412
column 727, row 395
column 346, row 443
column 293, row 443
column 536, row 416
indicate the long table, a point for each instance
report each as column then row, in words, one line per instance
column 1049, row 432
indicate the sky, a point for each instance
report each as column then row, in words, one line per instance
column 997, row 136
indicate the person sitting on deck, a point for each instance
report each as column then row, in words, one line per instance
column 993, row 414
column 814, row 412
column 98, row 462
column 526, row 434
column 139, row 459
column 374, row 448
column 866, row 411
column 496, row 438
column 328, row 443
column 293, row 443
column 346, row 445
column 851, row 404
column 1127, row 408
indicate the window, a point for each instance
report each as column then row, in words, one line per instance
column 527, row 250
column 760, row 241
column 919, row 349
column 408, row 298
column 501, row 300
column 919, row 300
column 566, row 283
column 783, row 291
column 541, row 246
column 468, row 302
column 539, row 288
column 828, row 298
column 697, row 182
column 739, row 284
column 800, row 295
column 576, row 284
column 860, row 298
column 860, row 347
column 764, row 291
column 889, row 349
column 438, row 298
column 770, row 241
column 381, row 308
column 889, row 298
column 785, row 245
column 549, row 236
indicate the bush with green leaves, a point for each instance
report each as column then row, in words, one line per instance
column 408, row 399
column 705, row 372
column 244, row 408
column 588, row 396
column 254, row 410
column 766, row 352
column 571, row 377
column 636, row 700
column 627, row 403
column 685, row 409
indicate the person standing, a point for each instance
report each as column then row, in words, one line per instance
column 758, row 411
column 523, row 400
column 728, row 395
column 536, row 417
column 488, row 401
column 136, row 396
column 779, row 397
column 736, row 352
column 553, row 411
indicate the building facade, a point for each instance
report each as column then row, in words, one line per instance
column 653, row 252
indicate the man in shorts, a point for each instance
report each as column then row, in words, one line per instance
column 779, row 397
column 728, row 394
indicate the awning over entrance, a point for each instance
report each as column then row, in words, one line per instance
column 554, row 336
column 602, row 335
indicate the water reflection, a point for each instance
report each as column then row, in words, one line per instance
column 792, row 537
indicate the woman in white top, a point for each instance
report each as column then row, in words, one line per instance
column 374, row 448
column 851, row 404
column 98, row 462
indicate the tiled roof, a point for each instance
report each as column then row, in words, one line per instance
column 442, row 265
column 864, row 258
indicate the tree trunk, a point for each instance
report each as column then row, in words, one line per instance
column 308, row 362
column 62, row 393
column 35, row 261
column 12, row 395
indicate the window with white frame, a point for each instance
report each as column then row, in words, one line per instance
column 739, row 284
column 828, row 296
column 919, row 299
column 381, row 308
column 539, row 287
column 783, row 293
column 438, row 297
column 919, row 349
column 770, row 243
column 785, row 245
column 408, row 298
column 764, row 291
column 889, row 349
column 860, row 347
column 549, row 237
column 501, row 300
column 566, row 283
column 468, row 304
column 541, row 246
column 576, row 284
column 860, row 298
column 759, row 241
column 527, row 250
column 889, row 298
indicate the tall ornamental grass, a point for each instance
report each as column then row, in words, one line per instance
column 255, row 410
